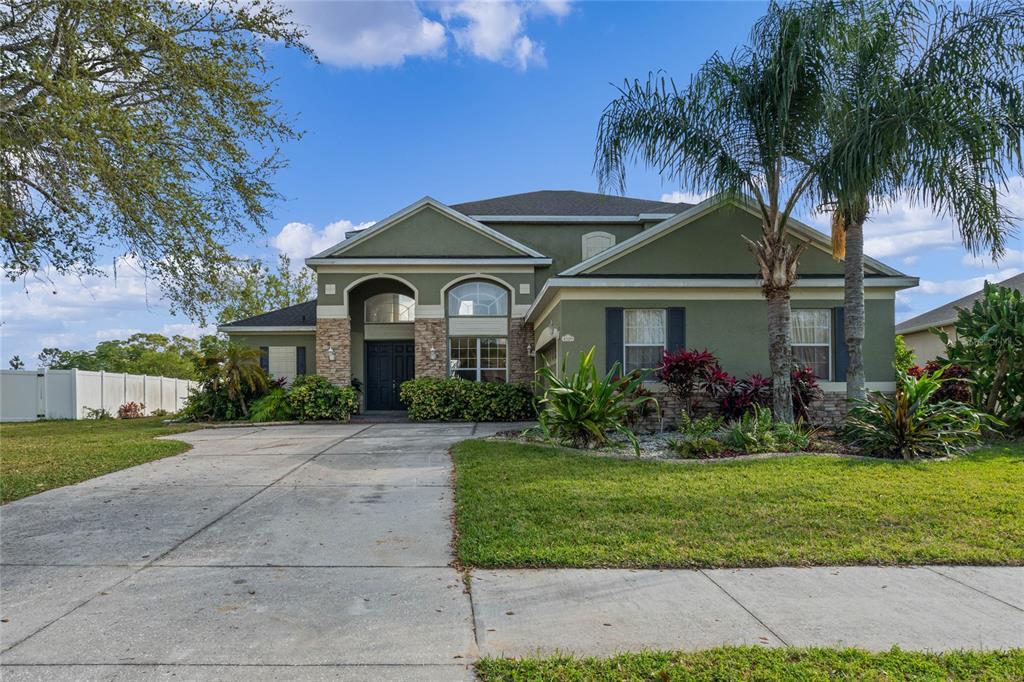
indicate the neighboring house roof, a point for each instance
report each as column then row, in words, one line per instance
column 692, row 213
column 426, row 202
column 294, row 316
column 566, row 203
column 947, row 314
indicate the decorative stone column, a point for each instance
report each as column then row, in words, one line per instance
column 335, row 333
column 429, row 333
column 520, row 364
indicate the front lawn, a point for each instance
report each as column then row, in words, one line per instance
column 750, row 663
column 527, row 505
column 37, row 456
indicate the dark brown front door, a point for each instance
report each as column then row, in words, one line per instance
column 388, row 364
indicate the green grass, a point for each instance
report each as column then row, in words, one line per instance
column 750, row 663
column 525, row 505
column 41, row 455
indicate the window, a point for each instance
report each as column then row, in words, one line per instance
column 300, row 359
column 596, row 242
column 478, row 359
column 812, row 340
column 477, row 299
column 643, row 337
column 388, row 308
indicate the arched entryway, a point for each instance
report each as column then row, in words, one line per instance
column 382, row 312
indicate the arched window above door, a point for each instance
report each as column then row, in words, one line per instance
column 390, row 308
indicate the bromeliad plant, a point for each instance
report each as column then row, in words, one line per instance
column 580, row 408
column 910, row 424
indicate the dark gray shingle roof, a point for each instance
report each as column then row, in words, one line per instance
column 299, row 315
column 566, row 203
column 945, row 314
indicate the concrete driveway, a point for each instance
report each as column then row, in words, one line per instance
column 291, row 552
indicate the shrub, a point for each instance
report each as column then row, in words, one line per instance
column 752, row 433
column 313, row 397
column 696, row 448
column 97, row 413
column 910, row 425
column 230, row 381
column 903, row 358
column 699, row 428
column 737, row 397
column 273, row 407
column 685, row 372
column 641, row 409
column 805, row 390
column 131, row 410
column 990, row 346
column 956, row 385
column 580, row 408
column 429, row 399
column 159, row 412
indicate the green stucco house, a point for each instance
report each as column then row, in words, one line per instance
column 490, row 290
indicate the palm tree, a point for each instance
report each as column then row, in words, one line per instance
column 241, row 373
column 920, row 101
column 745, row 126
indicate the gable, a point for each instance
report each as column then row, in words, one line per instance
column 427, row 232
column 711, row 244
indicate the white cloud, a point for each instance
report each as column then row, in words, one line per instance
column 369, row 34
column 685, row 197
column 1012, row 258
column 957, row 288
column 374, row 34
column 910, row 260
column 111, row 334
column 299, row 241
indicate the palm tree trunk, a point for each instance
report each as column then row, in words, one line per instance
column 853, row 308
column 780, row 354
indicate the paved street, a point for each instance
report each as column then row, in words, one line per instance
column 322, row 552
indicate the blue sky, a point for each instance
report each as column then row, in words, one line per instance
column 464, row 101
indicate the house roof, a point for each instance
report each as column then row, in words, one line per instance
column 299, row 315
column 946, row 314
column 566, row 203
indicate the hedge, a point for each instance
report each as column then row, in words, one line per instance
column 458, row 399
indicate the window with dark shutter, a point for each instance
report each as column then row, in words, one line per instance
column 300, row 359
column 676, row 329
column 613, row 339
column 265, row 358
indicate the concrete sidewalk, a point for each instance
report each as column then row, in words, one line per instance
column 602, row 612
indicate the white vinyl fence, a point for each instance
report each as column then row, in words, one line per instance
column 69, row 393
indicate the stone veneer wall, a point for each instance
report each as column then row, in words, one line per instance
column 828, row 412
column 427, row 334
column 336, row 333
column 520, row 365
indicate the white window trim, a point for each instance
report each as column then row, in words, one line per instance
column 827, row 344
column 478, row 369
column 625, row 345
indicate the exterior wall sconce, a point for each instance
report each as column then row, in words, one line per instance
column 529, row 350
column 332, row 355
column 433, row 353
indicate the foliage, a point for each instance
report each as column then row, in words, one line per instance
column 131, row 410
column 531, row 506
column 805, row 390
column 759, row 663
column 97, row 413
column 736, row 397
column 274, row 406
column 910, row 425
column 641, row 409
column 685, row 372
column 253, row 289
column 152, row 354
column 990, row 345
column 229, row 381
column 903, row 357
column 16, row 362
column 745, row 125
column 148, row 127
column 580, row 408
column 956, row 381
column 41, row 455
column 313, row 397
column 697, row 437
column 159, row 412
column 430, row 399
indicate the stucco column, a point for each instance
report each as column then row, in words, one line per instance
column 334, row 333
column 429, row 333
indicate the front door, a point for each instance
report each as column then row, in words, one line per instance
column 388, row 364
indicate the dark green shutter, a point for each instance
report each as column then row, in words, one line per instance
column 265, row 358
column 613, row 331
column 675, row 335
column 300, row 359
column 840, row 358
